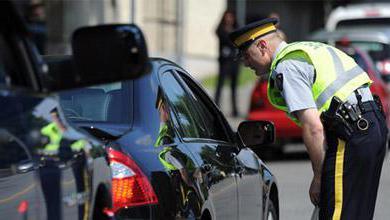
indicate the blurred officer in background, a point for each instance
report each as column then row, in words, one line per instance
column 324, row 91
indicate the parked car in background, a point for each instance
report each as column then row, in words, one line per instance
column 48, row 168
column 358, row 15
column 172, row 153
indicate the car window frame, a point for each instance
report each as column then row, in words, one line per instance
column 171, row 107
column 209, row 104
column 227, row 129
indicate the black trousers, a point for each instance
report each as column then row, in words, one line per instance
column 352, row 170
column 228, row 69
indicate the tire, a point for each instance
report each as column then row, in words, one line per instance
column 271, row 212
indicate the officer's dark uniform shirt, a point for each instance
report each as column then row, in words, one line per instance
column 295, row 79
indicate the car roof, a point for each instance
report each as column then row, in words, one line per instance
column 372, row 34
column 357, row 11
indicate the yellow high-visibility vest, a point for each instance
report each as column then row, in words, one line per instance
column 337, row 74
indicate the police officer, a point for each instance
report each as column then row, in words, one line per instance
column 325, row 92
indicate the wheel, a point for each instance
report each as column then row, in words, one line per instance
column 271, row 211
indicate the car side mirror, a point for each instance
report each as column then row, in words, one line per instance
column 101, row 54
column 256, row 133
column 110, row 52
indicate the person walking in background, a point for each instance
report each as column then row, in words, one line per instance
column 228, row 66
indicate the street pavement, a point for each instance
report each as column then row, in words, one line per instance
column 293, row 171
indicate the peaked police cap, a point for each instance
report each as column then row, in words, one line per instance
column 244, row 36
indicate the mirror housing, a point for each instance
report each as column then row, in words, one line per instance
column 108, row 53
column 256, row 133
column 101, row 54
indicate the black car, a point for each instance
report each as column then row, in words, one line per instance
column 48, row 169
column 172, row 153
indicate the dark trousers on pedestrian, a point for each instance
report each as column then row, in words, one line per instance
column 228, row 69
column 351, row 172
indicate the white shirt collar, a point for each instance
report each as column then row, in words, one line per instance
column 282, row 45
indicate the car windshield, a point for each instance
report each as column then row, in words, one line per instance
column 377, row 51
column 363, row 22
column 104, row 104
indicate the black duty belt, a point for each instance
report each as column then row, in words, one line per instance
column 345, row 119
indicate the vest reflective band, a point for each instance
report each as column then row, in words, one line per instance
column 337, row 74
column 54, row 133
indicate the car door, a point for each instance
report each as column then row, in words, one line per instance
column 212, row 151
column 250, row 185
column 244, row 161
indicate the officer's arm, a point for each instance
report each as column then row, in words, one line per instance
column 313, row 137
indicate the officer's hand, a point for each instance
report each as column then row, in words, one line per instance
column 315, row 190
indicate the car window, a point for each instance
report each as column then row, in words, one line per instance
column 191, row 125
column 363, row 22
column 377, row 51
column 103, row 103
column 211, row 117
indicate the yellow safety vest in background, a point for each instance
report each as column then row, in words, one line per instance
column 337, row 74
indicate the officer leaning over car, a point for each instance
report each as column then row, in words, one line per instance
column 343, row 126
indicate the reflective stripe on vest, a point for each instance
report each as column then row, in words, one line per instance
column 343, row 77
